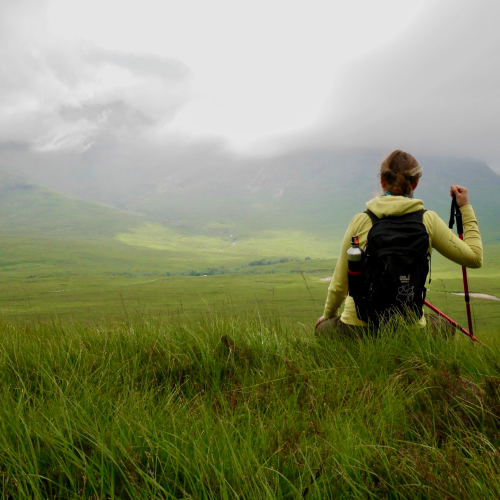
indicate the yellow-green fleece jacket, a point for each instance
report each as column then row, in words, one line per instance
column 467, row 253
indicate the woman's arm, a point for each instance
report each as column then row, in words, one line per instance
column 469, row 252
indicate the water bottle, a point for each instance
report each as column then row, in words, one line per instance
column 354, row 263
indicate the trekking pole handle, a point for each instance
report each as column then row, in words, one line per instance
column 452, row 213
column 456, row 214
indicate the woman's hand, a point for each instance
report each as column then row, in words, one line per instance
column 320, row 320
column 461, row 195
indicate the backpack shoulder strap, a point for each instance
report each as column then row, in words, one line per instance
column 418, row 215
column 372, row 216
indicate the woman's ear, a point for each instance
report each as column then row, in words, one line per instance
column 414, row 186
column 383, row 183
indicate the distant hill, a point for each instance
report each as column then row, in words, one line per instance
column 27, row 208
column 206, row 191
column 43, row 232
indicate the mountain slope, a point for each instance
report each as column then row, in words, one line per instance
column 206, row 191
column 30, row 209
column 44, row 232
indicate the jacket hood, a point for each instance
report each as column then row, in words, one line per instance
column 389, row 205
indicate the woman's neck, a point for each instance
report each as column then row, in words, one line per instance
column 388, row 193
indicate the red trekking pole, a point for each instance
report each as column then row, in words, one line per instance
column 454, row 323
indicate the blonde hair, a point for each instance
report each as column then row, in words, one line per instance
column 400, row 171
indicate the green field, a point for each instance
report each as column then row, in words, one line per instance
column 96, row 297
column 293, row 289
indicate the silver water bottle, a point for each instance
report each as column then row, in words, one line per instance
column 354, row 264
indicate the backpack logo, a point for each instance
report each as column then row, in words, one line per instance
column 404, row 279
column 406, row 294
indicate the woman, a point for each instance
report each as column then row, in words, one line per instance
column 399, row 176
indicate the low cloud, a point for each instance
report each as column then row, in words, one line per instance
column 84, row 108
column 435, row 91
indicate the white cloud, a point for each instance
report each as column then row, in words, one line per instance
column 258, row 67
column 436, row 91
column 41, row 78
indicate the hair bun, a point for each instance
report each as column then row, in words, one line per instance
column 398, row 170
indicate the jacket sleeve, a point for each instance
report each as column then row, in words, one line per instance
column 337, row 291
column 469, row 252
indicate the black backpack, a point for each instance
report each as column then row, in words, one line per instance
column 394, row 269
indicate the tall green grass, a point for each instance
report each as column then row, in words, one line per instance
column 245, row 407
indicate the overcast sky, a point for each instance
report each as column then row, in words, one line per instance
column 256, row 76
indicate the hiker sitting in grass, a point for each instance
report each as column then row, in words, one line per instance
column 409, row 234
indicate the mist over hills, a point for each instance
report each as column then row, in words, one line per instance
column 208, row 192
column 317, row 192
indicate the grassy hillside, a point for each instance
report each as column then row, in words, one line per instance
column 42, row 229
column 43, row 232
column 28, row 209
column 251, row 407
